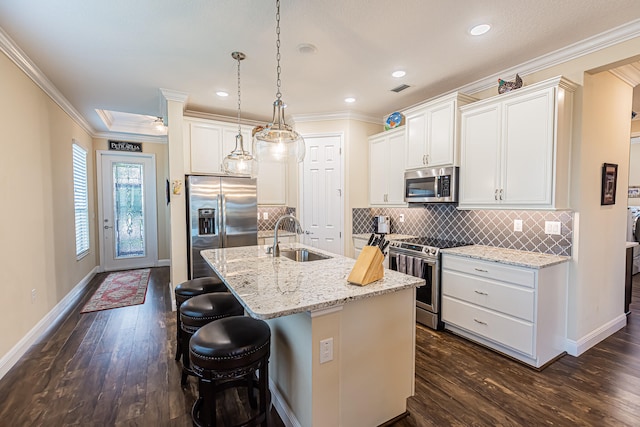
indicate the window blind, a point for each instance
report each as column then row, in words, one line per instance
column 81, row 200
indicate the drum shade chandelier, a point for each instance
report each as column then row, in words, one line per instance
column 239, row 161
column 277, row 141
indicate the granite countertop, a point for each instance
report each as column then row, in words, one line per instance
column 271, row 287
column 507, row 256
column 391, row 236
column 268, row 234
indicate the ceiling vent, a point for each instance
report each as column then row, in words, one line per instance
column 400, row 88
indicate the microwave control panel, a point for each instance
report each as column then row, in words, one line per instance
column 444, row 186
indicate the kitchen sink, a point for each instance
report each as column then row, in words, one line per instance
column 302, row 255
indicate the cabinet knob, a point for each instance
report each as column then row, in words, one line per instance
column 479, row 321
column 481, row 293
column 495, row 194
column 481, row 270
column 501, row 190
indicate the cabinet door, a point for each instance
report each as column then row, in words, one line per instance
column 378, row 170
column 528, row 149
column 206, row 148
column 440, row 147
column 272, row 183
column 480, row 159
column 416, row 125
column 395, row 166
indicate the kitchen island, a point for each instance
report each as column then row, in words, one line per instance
column 366, row 334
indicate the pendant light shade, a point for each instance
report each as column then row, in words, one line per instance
column 277, row 141
column 239, row 161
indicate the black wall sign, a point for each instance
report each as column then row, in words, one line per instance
column 135, row 147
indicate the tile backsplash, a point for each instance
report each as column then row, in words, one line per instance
column 273, row 213
column 481, row 227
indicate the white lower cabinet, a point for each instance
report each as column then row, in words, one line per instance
column 518, row 311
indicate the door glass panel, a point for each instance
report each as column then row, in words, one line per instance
column 128, row 210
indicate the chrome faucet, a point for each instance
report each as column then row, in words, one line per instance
column 275, row 249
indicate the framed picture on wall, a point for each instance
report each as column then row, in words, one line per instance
column 609, row 178
column 634, row 192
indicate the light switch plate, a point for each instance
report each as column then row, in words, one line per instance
column 552, row 227
column 517, row 225
column 401, row 218
column 265, row 215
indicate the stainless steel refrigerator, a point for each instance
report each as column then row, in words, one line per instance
column 222, row 213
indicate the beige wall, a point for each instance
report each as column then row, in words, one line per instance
column 37, row 224
column 162, row 174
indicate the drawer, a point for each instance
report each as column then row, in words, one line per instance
column 512, row 300
column 499, row 328
column 490, row 270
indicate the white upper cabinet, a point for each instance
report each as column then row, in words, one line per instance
column 515, row 148
column 386, row 168
column 207, row 142
column 432, row 132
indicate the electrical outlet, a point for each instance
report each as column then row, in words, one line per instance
column 517, row 225
column 265, row 215
column 326, row 350
column 34, row 295
column 552, row 227
column 401, row 218
column 258, row 216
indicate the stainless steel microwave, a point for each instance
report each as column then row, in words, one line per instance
column 436, row 185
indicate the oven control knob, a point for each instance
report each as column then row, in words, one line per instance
column 433, row 251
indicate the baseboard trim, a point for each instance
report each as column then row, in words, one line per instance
column 18, row 350
column 164, row 263
column 286, row 414
column 576, row 348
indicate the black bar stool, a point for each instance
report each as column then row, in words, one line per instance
column 189, row 289
column 228, row 353
column 197, row 312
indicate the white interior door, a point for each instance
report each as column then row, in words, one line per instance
column 127, row 210
column 322, row 193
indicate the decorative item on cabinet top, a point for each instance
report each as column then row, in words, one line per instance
column 505, row 86
column 394, row 120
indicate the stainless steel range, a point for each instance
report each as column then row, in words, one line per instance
column 420, row 257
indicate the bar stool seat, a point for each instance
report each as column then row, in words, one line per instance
column 190, row 289
column 227, row 353
column 199, row 311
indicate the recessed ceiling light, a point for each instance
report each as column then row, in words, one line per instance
column 399, row 73
column 307, row 48
column 222, row 94
column 349, row 100
column 479, row 30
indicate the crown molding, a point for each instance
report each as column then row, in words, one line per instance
column 220, row 118
column 129, row 137
column 339, row 115
column 629, row 73
column 11, row 49
column 175, row 95
column 584, row 47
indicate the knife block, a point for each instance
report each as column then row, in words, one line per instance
column 368, row 267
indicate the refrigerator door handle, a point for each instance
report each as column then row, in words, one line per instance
column 222, row 220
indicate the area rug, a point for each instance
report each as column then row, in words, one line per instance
column 120, row 289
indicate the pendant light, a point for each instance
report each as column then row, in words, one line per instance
column 239, row 161
column 277, row 141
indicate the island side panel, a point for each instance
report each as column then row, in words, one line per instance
column 377, row 358
column 290, row 368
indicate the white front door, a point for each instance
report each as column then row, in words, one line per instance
column 322, row 193
column 127, row 210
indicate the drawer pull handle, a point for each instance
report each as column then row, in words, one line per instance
column 481, row 270
column 481, row 293
column 479, row 321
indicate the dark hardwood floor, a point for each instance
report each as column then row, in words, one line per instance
column 116, row 368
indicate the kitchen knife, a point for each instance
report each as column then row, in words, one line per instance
column 370, row 239
column 386, row 244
